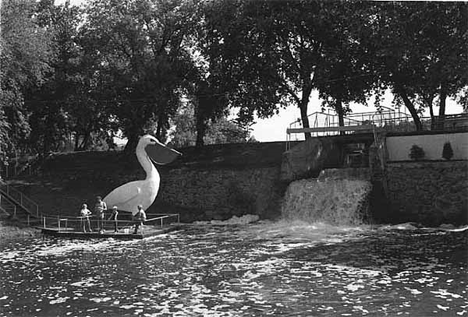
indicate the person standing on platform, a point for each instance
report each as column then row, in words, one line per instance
column 84, row 215
column 99, row 209
column 140, row 218
column 113, row 216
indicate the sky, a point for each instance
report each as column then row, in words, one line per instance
column 274, row 128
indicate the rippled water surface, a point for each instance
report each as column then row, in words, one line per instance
column 262, row 269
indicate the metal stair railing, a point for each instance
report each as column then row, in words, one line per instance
column 7, row 207
column 24, row 201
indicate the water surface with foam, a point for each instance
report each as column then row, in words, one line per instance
column 261, row 269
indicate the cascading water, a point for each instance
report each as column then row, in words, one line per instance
column 337, row 197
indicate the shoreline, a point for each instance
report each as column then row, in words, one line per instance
column 10, row 230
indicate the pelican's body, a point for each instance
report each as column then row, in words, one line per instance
column 142, row 192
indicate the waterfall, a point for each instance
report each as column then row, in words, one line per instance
column 337, row 197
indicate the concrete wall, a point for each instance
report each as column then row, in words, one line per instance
column 431, row 193
column 398, row 147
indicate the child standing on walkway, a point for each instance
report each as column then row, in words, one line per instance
column 84, row 215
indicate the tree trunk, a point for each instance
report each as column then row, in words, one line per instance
column 200, row 122
column 303, row 107
column 133, row 137
column 200, row 125
column 443, row 98
column 409, row 105
column 132, row 143
column 85, row 143
column 428, row 101
column 161, row 129
column 201, row 128
column 340, row 112
column 77, row 141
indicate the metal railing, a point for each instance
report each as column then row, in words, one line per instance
column 63, row 224
column 24, row 201
column 327, row 124
column 385, row 119
column 7, row 207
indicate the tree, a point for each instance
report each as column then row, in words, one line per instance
column 51, row 103
column 304, row 45
column 416, row 153
column 345, row 74
column 141, row 59
column 24, row 56
column 443, row 53
column 217, row 131
column 295, row 35
column 420, row 50
column 230, row 69
column 447, row 151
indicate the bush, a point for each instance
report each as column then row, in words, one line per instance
column 416, row 153
column 447, row 152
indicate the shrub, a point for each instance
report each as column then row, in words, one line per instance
column 447, row 152
column 416, row 153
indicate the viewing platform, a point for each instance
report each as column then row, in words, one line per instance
column 385, row 120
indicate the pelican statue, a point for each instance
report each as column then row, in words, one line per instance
column 143, row 192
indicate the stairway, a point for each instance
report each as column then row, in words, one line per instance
column 17, row 205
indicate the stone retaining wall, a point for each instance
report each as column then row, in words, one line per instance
column 219, row 194
column 431, row 193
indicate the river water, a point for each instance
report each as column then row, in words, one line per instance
column 261, row 269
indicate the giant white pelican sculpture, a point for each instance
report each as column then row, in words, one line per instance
column 143, row 192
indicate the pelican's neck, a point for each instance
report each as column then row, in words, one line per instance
column 146, row 163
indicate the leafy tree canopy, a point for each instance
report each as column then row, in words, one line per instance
column 24, row 55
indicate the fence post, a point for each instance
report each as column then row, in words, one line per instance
column 28, row 221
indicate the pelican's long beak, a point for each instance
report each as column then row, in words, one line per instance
column 161, row 154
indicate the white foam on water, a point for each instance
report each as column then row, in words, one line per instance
column 350, row 270
column 87, row 282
